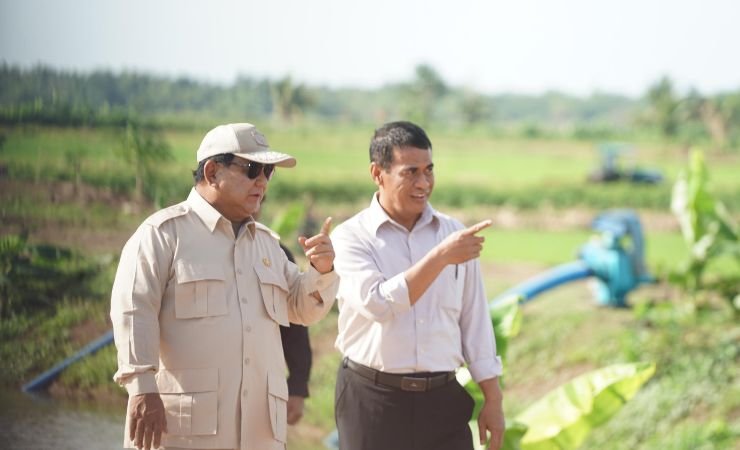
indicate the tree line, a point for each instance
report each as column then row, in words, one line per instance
column 49, row 96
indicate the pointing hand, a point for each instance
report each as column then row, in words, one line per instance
column 318, row 249
column 463, row 245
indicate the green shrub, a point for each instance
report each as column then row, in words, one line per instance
column 35, row 277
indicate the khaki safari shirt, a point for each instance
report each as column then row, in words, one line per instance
column 196, row 314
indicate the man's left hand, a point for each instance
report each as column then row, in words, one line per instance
column 491, row 418
column 318, row 249
column 295, row 409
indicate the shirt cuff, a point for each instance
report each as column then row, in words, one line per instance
column 141, row 383
column 486, row 369
column 322, row 283
column 297, row 388
column 395, row 291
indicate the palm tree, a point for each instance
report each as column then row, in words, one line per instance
column 289, row 99
column 143, row 147
column 423, row 93
column 665, row 105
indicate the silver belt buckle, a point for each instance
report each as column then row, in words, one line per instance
column 414, row 384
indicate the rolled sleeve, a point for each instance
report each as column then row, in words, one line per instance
column 395, row 292
column 485, row 369
column 303, row 307
column 379, row 300
column 325, row 284
column 140, row 383
column 364, row 287
column 478, row 340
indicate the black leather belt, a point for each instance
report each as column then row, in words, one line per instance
column 409, row 382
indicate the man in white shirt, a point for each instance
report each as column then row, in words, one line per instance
column 412, row 310
column 199, row 295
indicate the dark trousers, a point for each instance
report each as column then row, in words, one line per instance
column 375, row 417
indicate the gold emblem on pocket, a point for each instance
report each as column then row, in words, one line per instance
column 266, row 262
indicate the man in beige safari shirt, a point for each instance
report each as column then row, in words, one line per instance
column 199, row 295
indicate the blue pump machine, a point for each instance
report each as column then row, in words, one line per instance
column 615, row 257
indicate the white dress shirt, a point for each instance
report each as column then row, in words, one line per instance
column 447, row 327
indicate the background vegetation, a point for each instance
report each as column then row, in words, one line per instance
column 84, row 157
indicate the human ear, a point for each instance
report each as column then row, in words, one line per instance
column 376, row 172
column 210, row 172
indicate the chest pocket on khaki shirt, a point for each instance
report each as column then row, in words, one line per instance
column 274, row 290
column 200, row 290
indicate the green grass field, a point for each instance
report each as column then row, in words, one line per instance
column 555, row 247
column 692, row 402
column 339, row 155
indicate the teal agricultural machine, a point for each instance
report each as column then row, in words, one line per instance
column 614, row 257
column 610, row 170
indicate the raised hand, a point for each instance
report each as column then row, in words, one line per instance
column 463, row 245
column 318, row 249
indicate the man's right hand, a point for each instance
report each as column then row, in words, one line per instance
column 463, row 245
column 295, row 409
column 457, row 248
column 147, row 420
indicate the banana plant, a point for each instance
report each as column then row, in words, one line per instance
column 708, row 228
column 506, row 317
column 287, row 222
column 562, row 418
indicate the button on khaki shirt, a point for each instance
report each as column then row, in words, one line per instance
column 447, row 327
column 196, row 314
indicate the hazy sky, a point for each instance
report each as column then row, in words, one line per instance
column 525, row 46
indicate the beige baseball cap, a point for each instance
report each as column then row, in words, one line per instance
column 244, row 141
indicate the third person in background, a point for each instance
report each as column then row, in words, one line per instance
column 298, row 358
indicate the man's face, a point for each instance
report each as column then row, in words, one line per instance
column 406, row 186
column 238, row 196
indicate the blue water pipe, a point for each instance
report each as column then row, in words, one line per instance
column 545, row 281
column 50, row 375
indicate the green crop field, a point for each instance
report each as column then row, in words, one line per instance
column 340, row 154
column 554, row 247
column 692, row 401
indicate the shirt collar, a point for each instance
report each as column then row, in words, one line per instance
column 378, row 216
column 209, row 215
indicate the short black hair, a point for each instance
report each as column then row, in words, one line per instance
column 396, row 134
column 223, row 158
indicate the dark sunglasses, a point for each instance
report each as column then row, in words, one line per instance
column 252, row 169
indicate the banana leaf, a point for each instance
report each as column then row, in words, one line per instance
column 506, row 317
column 512, row 435
column 563, row 418
column 288, row 221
